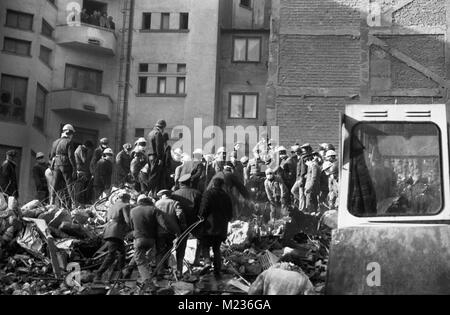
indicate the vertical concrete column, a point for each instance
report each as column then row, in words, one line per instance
column 365, row 53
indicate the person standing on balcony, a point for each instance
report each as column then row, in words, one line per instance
column 112, row 25
column 103, row 20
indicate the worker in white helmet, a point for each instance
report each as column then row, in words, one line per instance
column 63, row 165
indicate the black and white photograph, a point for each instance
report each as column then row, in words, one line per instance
column 224, row 152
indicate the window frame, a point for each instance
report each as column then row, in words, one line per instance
column 235, row 37
column 16, row 40
column 44, row 22
column 50, row 55
column 140, row 69
column 349, row 193
column 177, row 91
column 143, row 21
column 248, row 7
column 158, row 92
column 181, row 18
column 243, row 94
column 162, row 21
column 140, row 79
column 18, row 13
column 85, row 69
column 27, row 80
column 35, row 125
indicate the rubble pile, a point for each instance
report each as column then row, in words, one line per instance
column 46, row 250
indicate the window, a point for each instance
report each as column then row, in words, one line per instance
column 181, row 68
column 83, row 79
column 17, row 46
column 246, row 4
column 395, row 169
column 161, row 85
column 243, row 105
column 162, row 67
column 142, row 85
column 13, row 97
column 45, row 55
column 247, row 49
column 143, row 67
column 47, row 29
column 146, row 21
column 181, row 85
column 39, row 111
column 165, row 18
column 23, row 21
column 184, row 21
column 139, row 132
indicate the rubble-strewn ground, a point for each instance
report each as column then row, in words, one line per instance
column 51, row 251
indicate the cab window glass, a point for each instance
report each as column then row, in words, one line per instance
column 395, row 169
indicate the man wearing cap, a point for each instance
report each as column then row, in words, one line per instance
column 217, row 210
column 276, row 194
column 98, row 153
column 220, row 159
column 238, row 167
column 40, row 181
column 137, row 163
column 83, row 157
column 331, row 170
column 156, row 155
column 8, row 176
column 123, row 162
column 198, row 170
column 289, row 167
column 63, row 164
column 303, row 152
column 116, row 229
column 189, row 199
column 144, row 222
column 312, row 183
column 103, row 173
column 171, row 210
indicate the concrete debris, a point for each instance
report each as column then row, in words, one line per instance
column 46, row 250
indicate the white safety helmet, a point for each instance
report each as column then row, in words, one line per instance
column 221, row 150
column 108, row 151
column 330, row 153
column 280, row 148
column 198, row 152
column 68, row 127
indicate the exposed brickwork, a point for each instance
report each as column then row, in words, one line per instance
column 312, row 119
column 311, row 13
column 421, row 13
column 428, row 50
column 319, row 61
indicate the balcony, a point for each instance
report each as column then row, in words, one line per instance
column 83, row 102
column 87, row 37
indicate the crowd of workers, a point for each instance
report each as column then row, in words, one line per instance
column 176, row 190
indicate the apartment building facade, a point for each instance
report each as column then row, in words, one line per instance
column 173, row 69
column 243, row 65
column 55, row 69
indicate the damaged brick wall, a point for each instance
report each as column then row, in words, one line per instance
column 319, row 61
column 321, row 52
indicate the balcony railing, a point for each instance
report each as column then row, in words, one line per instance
column 70, row 100
column 86, row 36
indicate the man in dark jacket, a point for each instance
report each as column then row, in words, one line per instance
column 189, row 199
column 156, row 156
column 144, row 222
column 217, row 210
column 63, row 164
column 103, row 173
column 123, row 162
column 40, row 181
column 98, row 153
column 136, row 165
column 115, row 232
column 8, row 176
column 83, row 157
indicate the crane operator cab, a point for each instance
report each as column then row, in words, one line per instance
column 393, row 234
